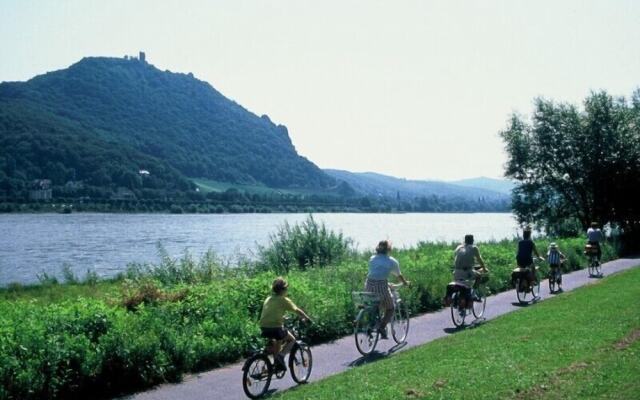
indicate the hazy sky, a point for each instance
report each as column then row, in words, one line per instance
column 415, row 89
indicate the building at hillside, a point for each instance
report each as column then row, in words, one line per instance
column 40, row 189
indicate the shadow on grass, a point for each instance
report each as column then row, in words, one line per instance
column 376, row 355
column 473, row 324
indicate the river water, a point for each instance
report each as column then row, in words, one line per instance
column 106, row 243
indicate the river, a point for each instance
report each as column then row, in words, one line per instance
column 106, row 243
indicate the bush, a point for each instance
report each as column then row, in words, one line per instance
column 304, row 245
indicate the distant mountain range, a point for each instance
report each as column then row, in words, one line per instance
column 496, row 185
column 374, row 184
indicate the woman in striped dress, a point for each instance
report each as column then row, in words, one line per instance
column 381, row 265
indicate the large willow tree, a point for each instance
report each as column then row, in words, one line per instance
column 573, row 166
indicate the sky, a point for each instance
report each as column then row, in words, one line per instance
column 413, row 89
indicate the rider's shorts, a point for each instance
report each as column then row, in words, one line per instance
column 274, row 333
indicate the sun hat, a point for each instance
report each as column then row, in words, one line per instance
column 553, row 246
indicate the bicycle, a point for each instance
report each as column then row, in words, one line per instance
column 524, row 285
column 591, row 252
column 259, row 368
column 467, row 300
column 365, row 325
column 555, row 278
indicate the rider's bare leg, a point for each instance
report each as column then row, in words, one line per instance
column 287, row 345
column 274, row 346
column 386, row 317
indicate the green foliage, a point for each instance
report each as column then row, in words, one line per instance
column 304, row 245
column 60, row 341
column 574, row 165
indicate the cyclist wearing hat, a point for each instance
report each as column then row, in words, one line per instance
column 272, row 321
column 595, row 236
column 555, row 258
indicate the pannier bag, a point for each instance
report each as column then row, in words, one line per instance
column 590, row 249
column 518, row 273
column 453, row 287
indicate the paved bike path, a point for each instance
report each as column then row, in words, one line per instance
column 340, row 355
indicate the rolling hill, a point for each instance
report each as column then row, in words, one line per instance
column 496, row 185
column 373, row 184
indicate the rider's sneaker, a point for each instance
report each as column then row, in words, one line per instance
column 383, row 334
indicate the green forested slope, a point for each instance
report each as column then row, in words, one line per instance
column 103, row 119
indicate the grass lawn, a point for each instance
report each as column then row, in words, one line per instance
column 581, row 344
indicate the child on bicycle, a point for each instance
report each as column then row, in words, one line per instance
column 555, row 258
column 272, row 321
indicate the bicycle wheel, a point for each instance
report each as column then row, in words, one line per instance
column 256, row 375
column 457, row 313
column 552, row 282
column 594, row 266
column 521, row 293
column 365, row 333
column 598, row 268
column 400, row 323
column 300, row 362
column 479, row 306
column 535, row 289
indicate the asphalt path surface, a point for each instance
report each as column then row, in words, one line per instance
column 341, row 355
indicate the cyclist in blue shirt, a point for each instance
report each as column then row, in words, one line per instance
column 381, row 266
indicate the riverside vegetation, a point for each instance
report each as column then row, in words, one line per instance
column 156, row 322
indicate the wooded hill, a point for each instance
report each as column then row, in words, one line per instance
column 103, row 120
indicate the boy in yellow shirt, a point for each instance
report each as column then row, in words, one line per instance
column 272, row 321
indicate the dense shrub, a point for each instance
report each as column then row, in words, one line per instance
column 304, row 245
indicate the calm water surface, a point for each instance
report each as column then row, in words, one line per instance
column 106, row 243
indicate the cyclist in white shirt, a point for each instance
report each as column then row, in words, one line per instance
column 381, row 265
column 595, row 236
